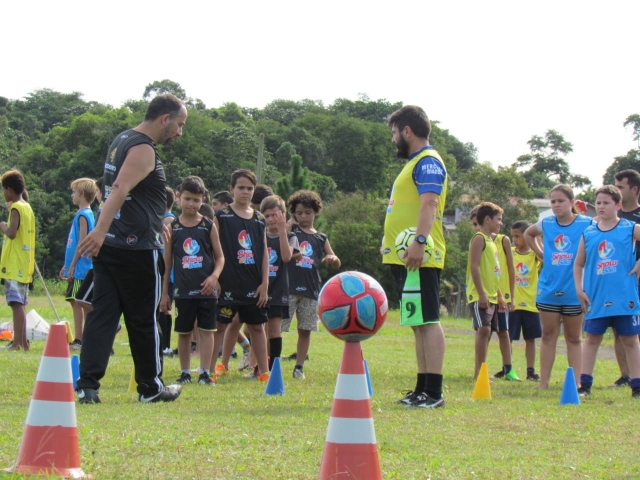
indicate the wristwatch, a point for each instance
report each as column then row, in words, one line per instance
column 421, row 239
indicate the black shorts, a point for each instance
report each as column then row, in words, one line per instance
column 85, row 292
column 191, row 309
column 275, row 311
column 564, row 310
column 504, row 319
column 429, row 290
column 249, row 314
column 72, row 290
column 528, row 322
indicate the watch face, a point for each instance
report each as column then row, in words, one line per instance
column 421, row 239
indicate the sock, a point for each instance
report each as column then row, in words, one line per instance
column 186, row 371
column 433, row 385
column 420, row 382
column 506, row 369
column 634, row 383
column 275, row 349
column 531, row 370
column 298, row 367
column 204, row 370
column 586, row 380
column 245, row 345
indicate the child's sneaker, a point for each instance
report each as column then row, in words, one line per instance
column 184, row 378
column 409, row 397
column 622, row 381
column 422, row 400
column 511, row 377
column 252, row 375
column 500, row 374
column 244, row 361
column 88, row 395
column 584, row 391
column 221, row 370
column 635, row 393
column 533, row 377
column 298, row 373
column 264, row 377
column 205, row 379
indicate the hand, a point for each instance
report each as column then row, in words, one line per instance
column 281, row 221
column 61, row 275
column 414, row 256
column 511, row 306
column 209, row 285
column 91, row 245
column 584, row 301
column 332, row 260
column 636, row 269
column 165, row 304
column 483, row 301
column 262, row 295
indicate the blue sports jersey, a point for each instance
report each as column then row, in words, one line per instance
column 610, row 256
column 560, row 244
column 84, row 264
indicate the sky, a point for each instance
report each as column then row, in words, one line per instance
column 493, row 73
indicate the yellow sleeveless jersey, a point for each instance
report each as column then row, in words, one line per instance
column 18, row 255
column 404, row 209
column 527, row 269
column 489, row 272
column 503, row 284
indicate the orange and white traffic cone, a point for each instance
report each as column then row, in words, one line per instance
column 350, row 450
column 50, row 440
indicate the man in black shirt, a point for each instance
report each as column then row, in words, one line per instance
column 128, row 264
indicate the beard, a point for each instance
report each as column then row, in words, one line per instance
column 402, row 148
column 166, row 139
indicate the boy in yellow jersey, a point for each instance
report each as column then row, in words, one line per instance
column 525, row 316
column 18, row 254
column 483, row 273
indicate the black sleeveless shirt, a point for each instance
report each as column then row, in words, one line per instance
column 138, row 223
column 192, row 258
column 304, row 275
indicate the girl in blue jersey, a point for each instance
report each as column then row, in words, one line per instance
column 556, row 297
column 605, row 273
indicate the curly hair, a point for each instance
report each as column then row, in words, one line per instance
column 306, row 198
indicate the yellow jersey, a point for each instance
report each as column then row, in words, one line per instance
column 489, row 272
column 18, row 255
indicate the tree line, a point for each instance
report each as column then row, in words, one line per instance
column 342, row 150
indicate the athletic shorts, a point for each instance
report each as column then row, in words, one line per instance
column 85, row 292
column 504, row 318
column 249, row 314
column 275, row 311
column 528, row 322
column 429, row 290
column 191, row 309
column 305, row 310
column 564, row 310
column 481, row 317
column 72, row 289
column 16, row 292
column 625, row 325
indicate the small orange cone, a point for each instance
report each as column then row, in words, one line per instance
column 350, row 450
column 50, row 440
column 482, row 389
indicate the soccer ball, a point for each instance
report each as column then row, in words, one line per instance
column 352, row 306
column 405, row 238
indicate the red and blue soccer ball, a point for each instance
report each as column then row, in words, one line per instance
column 352, row 306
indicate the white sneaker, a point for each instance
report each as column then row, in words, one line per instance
column 244, row 361
column 298, row 373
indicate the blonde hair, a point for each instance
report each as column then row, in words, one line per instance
column 273, row 201
column 87, row 187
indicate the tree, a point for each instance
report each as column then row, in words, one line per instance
column 545, row 166
column 298, row 179
column 633, row 121
column 164, row 86
column 629, row 161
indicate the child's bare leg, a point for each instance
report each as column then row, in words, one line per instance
column 530, row 352
column 505, row 346
column 206, row 349
column 19, row 327
column 78, row 319
column 550, row 332
column 632, row 351
column 230, row 338
column 184, row 350
column 589, row 352
column 259, row 347
column 482, row 344
column 573, row 339
column 218, row 338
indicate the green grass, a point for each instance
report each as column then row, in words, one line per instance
column 233, row 431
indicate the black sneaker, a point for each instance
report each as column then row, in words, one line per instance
column 408, row 398
column 204, row 379
column 184, row 378
column 533, row 377
column 500, row 374
column 635, row 393
column 75, row 345
column 622, row 381
column 88, row 395
column 422, row 400
column 168, row 394
column 294, row 356
column 584, row 391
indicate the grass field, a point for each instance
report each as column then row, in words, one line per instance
column 233, row 431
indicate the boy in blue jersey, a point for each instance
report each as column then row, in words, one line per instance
column 605, row 274
column 195, row 249
column 75, row 268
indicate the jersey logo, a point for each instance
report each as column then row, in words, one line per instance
column 190, row 246
column 605, row 249
column 562, row 242
column 244, row 239
column 522, row 269
column 273, row 256
column 306, row 249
